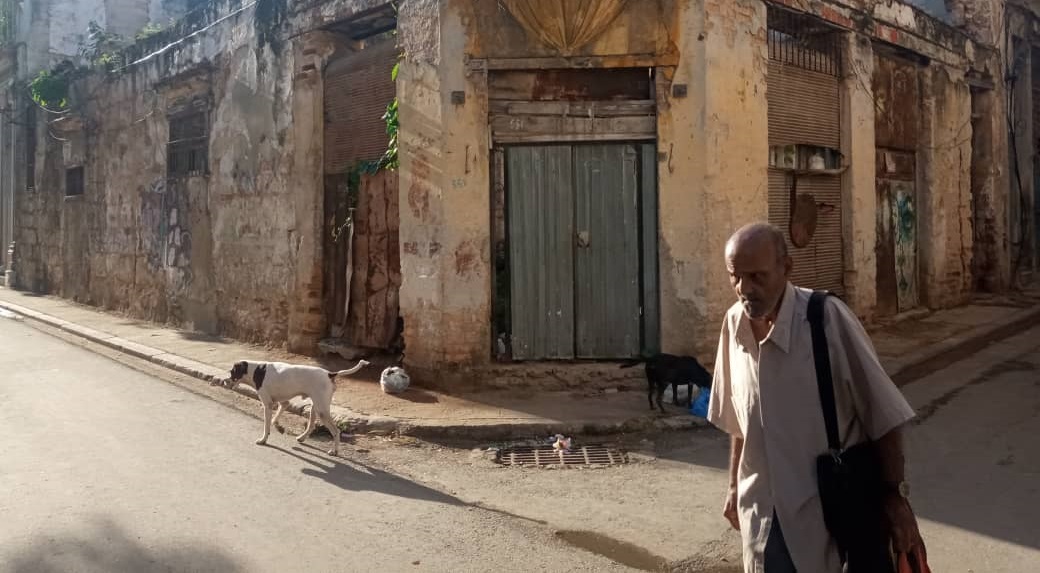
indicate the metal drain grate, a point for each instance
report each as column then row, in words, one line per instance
column 591, row 455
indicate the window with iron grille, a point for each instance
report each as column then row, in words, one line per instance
column 799, row 40
column 187, row 153
column 804, row 96
column 74, row 181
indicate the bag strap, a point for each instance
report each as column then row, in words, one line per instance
column 824, row 376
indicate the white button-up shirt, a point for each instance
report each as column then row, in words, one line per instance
column 766, row 393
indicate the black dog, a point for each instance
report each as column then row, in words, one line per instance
column 664, row 370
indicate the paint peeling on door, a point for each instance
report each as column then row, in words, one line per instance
column 905, row 217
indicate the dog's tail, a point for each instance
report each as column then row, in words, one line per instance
column 361, row 364
column 632, row 363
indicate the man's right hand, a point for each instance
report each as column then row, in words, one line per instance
column 730, row 511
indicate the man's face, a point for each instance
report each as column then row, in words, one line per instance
column 758, row 275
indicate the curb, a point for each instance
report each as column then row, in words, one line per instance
column 359, row 423
column 923, row 362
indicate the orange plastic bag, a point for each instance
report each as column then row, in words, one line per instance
column 913, row 562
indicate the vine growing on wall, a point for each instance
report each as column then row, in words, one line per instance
column 390, row 160
column 149, row 31
column 102, row 49
column 50, row 88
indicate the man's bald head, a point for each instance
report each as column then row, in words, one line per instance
column 758, row 236
column 759, row 265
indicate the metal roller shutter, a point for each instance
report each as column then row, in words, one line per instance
column 358, row 87
column 805, row 108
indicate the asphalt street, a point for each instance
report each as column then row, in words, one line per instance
column 104, row 468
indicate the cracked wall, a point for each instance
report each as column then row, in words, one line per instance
column 712, row 160
column 231, row 251
column 713, row 151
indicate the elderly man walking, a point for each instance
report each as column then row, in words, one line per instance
column 765, row 396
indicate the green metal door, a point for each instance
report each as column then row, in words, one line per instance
column 607, row 256
column 541, row 253
column 582, row 234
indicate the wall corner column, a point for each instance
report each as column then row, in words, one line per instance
column 859, row 188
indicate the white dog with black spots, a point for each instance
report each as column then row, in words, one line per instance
column 278, row 382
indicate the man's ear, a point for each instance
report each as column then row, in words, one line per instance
column 788, row 266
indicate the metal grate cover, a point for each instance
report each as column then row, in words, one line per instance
column 591, row 455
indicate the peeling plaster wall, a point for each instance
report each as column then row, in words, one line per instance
column 725, row 162
column 936, row 8
column 220, row 253
column 1023, row 27
column 711, row 173
column 984, row 21
column 419, row 89
column 859, row 185
column 69, row 20
column 944, row 215
column 257, row 271
column 47, row 32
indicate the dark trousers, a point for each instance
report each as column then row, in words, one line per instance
column 777, row 559
column 872, row 557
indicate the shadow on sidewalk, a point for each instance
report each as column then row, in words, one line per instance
column 202, row 337
column 354, row 476
column 419, row 396
column 102, row 545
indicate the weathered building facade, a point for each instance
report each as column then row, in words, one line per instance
column 569, row 171
column 617, row 144
column 201, row 182
column 34, row 36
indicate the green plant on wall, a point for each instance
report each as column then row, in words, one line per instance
column 50, row 88
column 102, row 49
column 390, row 160
column 148, row 31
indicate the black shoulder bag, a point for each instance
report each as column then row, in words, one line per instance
column 850, row 479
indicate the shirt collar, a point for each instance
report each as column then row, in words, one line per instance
column 780, row 334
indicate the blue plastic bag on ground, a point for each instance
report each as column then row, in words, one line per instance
column 700, row 405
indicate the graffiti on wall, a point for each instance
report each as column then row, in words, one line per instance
column 178, row 251
column 905, row 218
column 153, row 200
column 165, row 234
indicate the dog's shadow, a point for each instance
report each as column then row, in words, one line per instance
column 418, row 396
column 352, row 475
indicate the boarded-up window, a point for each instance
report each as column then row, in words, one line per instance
column 804, row 98
column 188, row 150
column 74, row 183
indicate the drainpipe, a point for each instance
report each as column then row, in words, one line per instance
column 6, row 197
column 12, row 141
column 11, row 179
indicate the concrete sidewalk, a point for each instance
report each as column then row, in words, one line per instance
column 908, row 349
